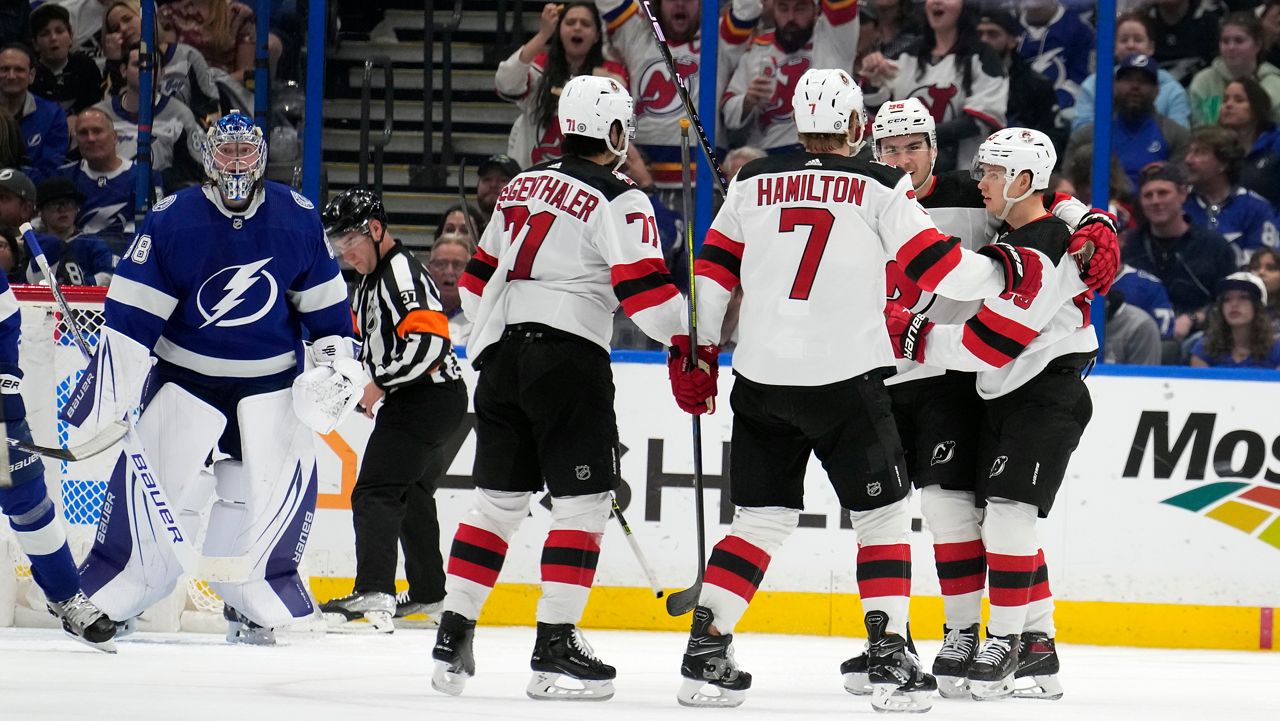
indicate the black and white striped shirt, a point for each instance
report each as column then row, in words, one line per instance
column 402, row 324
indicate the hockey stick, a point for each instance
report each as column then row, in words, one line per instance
column 682, row 602
column 635, row 548
column 689, row 110
column 29, row 235
column 105, row 439
column 462, row 200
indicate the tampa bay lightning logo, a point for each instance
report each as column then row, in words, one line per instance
column 237, row 295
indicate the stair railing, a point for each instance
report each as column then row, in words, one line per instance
column 379, row 143
column 430, row 173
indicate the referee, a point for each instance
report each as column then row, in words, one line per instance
column 415, row 374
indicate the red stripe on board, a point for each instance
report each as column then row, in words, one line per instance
column 479, row 537
column 963, row 551
column 744, row 550
column 731, row 582
column 472, row 572
column 963, row 585
column 1265, row 496
column 881, row 587
column 1267, row 629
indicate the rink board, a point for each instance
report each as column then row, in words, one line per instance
column 1166, row 531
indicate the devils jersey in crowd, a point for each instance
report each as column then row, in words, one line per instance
column 226, row 295
column 834, row 45
column 569, row 241
column 404, row 330
column 955, row 204
column 657, row 101
column 1010, row 341
column 809, row 237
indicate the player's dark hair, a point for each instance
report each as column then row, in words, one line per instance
column 1225, row 146
column 967, row 45
column 558, row 72
column 823, row 142
column 582, row 146
column 1219, row 341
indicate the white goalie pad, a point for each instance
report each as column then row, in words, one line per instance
column 258, row 527
column 325, row 395
column 112, row 384
column 134, row 562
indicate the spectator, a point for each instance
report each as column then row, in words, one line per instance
column 896, row 26
column 17, row 201
column 68, row 78
column 107, row 181
column 176, row 137
column 44, row 125
column 1189, row 259
column 86, row 26
column 1270, row 19
column 958, row 78
column 1139, row 135
column 758, row 98
column 15, row 24
column 1144, row 291
column 1057, row 44
column 1122, row 199
column 13, row 256
column 566, row 44
column 1036, row 102
column 1239, row 334
column 739, row 157
column 1240, row 50
column 223, row 31
column 74, row 257
column 184, row 73
column 449, row 256
column 657, row 103
column 1135, row 36
column 454, row 220
column 13, row 149
column 1132, row 336
column 1265, row 264
column 1183, row 45
column 1246, row 109
column 492, row 176
column 1244, row 218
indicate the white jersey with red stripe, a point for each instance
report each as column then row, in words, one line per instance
column 1010, row 341
column 808, row 237
column 954, row 201
column 770, row 124
column 657, row 102
column 568, row 241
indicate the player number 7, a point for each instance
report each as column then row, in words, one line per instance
column 819, row 222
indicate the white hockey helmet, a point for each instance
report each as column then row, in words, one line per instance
column 1017, row 150
column 589, row 106
column 828, row 101
column 903, row 117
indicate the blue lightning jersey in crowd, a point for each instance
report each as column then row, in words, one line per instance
column 226, row 295
column 1245, row 219
column 1059, row 51
column 108, row 206
column 1143, row 290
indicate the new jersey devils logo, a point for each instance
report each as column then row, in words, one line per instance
column 658, row 95
column 548, row 146
column 939, row 99
column 779, row 108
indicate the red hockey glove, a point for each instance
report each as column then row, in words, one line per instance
column 907, row 330
column 693, row 384
column 1022, row 269
column 1096, row 250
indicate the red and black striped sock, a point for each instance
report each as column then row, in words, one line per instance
column 734, row 573
column 475, row 560
column 884, row 582
column 1010, row 579
column 569, row 561
column 1040, row 606
column 962, row 575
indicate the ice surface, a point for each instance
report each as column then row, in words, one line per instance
column 188, row 677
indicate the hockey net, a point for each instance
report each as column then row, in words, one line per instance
column 52, row 365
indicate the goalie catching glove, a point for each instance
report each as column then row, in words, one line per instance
column 324, row 396
column 1098, row 265
column 693, row 381
column 908, row 331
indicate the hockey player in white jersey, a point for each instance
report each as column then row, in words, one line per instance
column 216, row 291
column 935, row 408
column 807, row 237
column 1028, row 355
column 569, row 241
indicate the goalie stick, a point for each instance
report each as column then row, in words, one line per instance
column 105, row 439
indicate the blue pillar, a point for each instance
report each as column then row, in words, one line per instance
column 1100, row 185
column 708, row 111
column 313, row 123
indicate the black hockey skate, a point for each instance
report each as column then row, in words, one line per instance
column 240, row 629
column 452, row 652
column 854, row 672
column 951, row 665
column 711, row 676
column 898, row 680
column 1039, row 663
column 991, row 673
column 561, row 652
column 406, row 606
column 344, row 614
column 84, row 622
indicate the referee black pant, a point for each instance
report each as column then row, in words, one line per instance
column 394, row 496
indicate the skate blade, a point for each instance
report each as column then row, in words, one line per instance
column 373, row 622
column 695, row 693
column 108, row 646
column 446, row 681
column 991, row 690
column 888, row 698
column 1044, row 688
column 953, row 687
column 547, row 686
column 858, row 684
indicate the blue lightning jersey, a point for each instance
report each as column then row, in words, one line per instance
column 1245, row 219
column 226, row 295
column 108, row 206
column 1059, row 51
column 1143, row 290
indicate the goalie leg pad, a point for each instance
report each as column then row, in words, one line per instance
column 570, row 555
column 884, row 562
column 739, row 561
column 132, row 564
column 480, row 548
column 258, row 527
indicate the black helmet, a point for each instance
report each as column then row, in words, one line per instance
column 353, row 209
